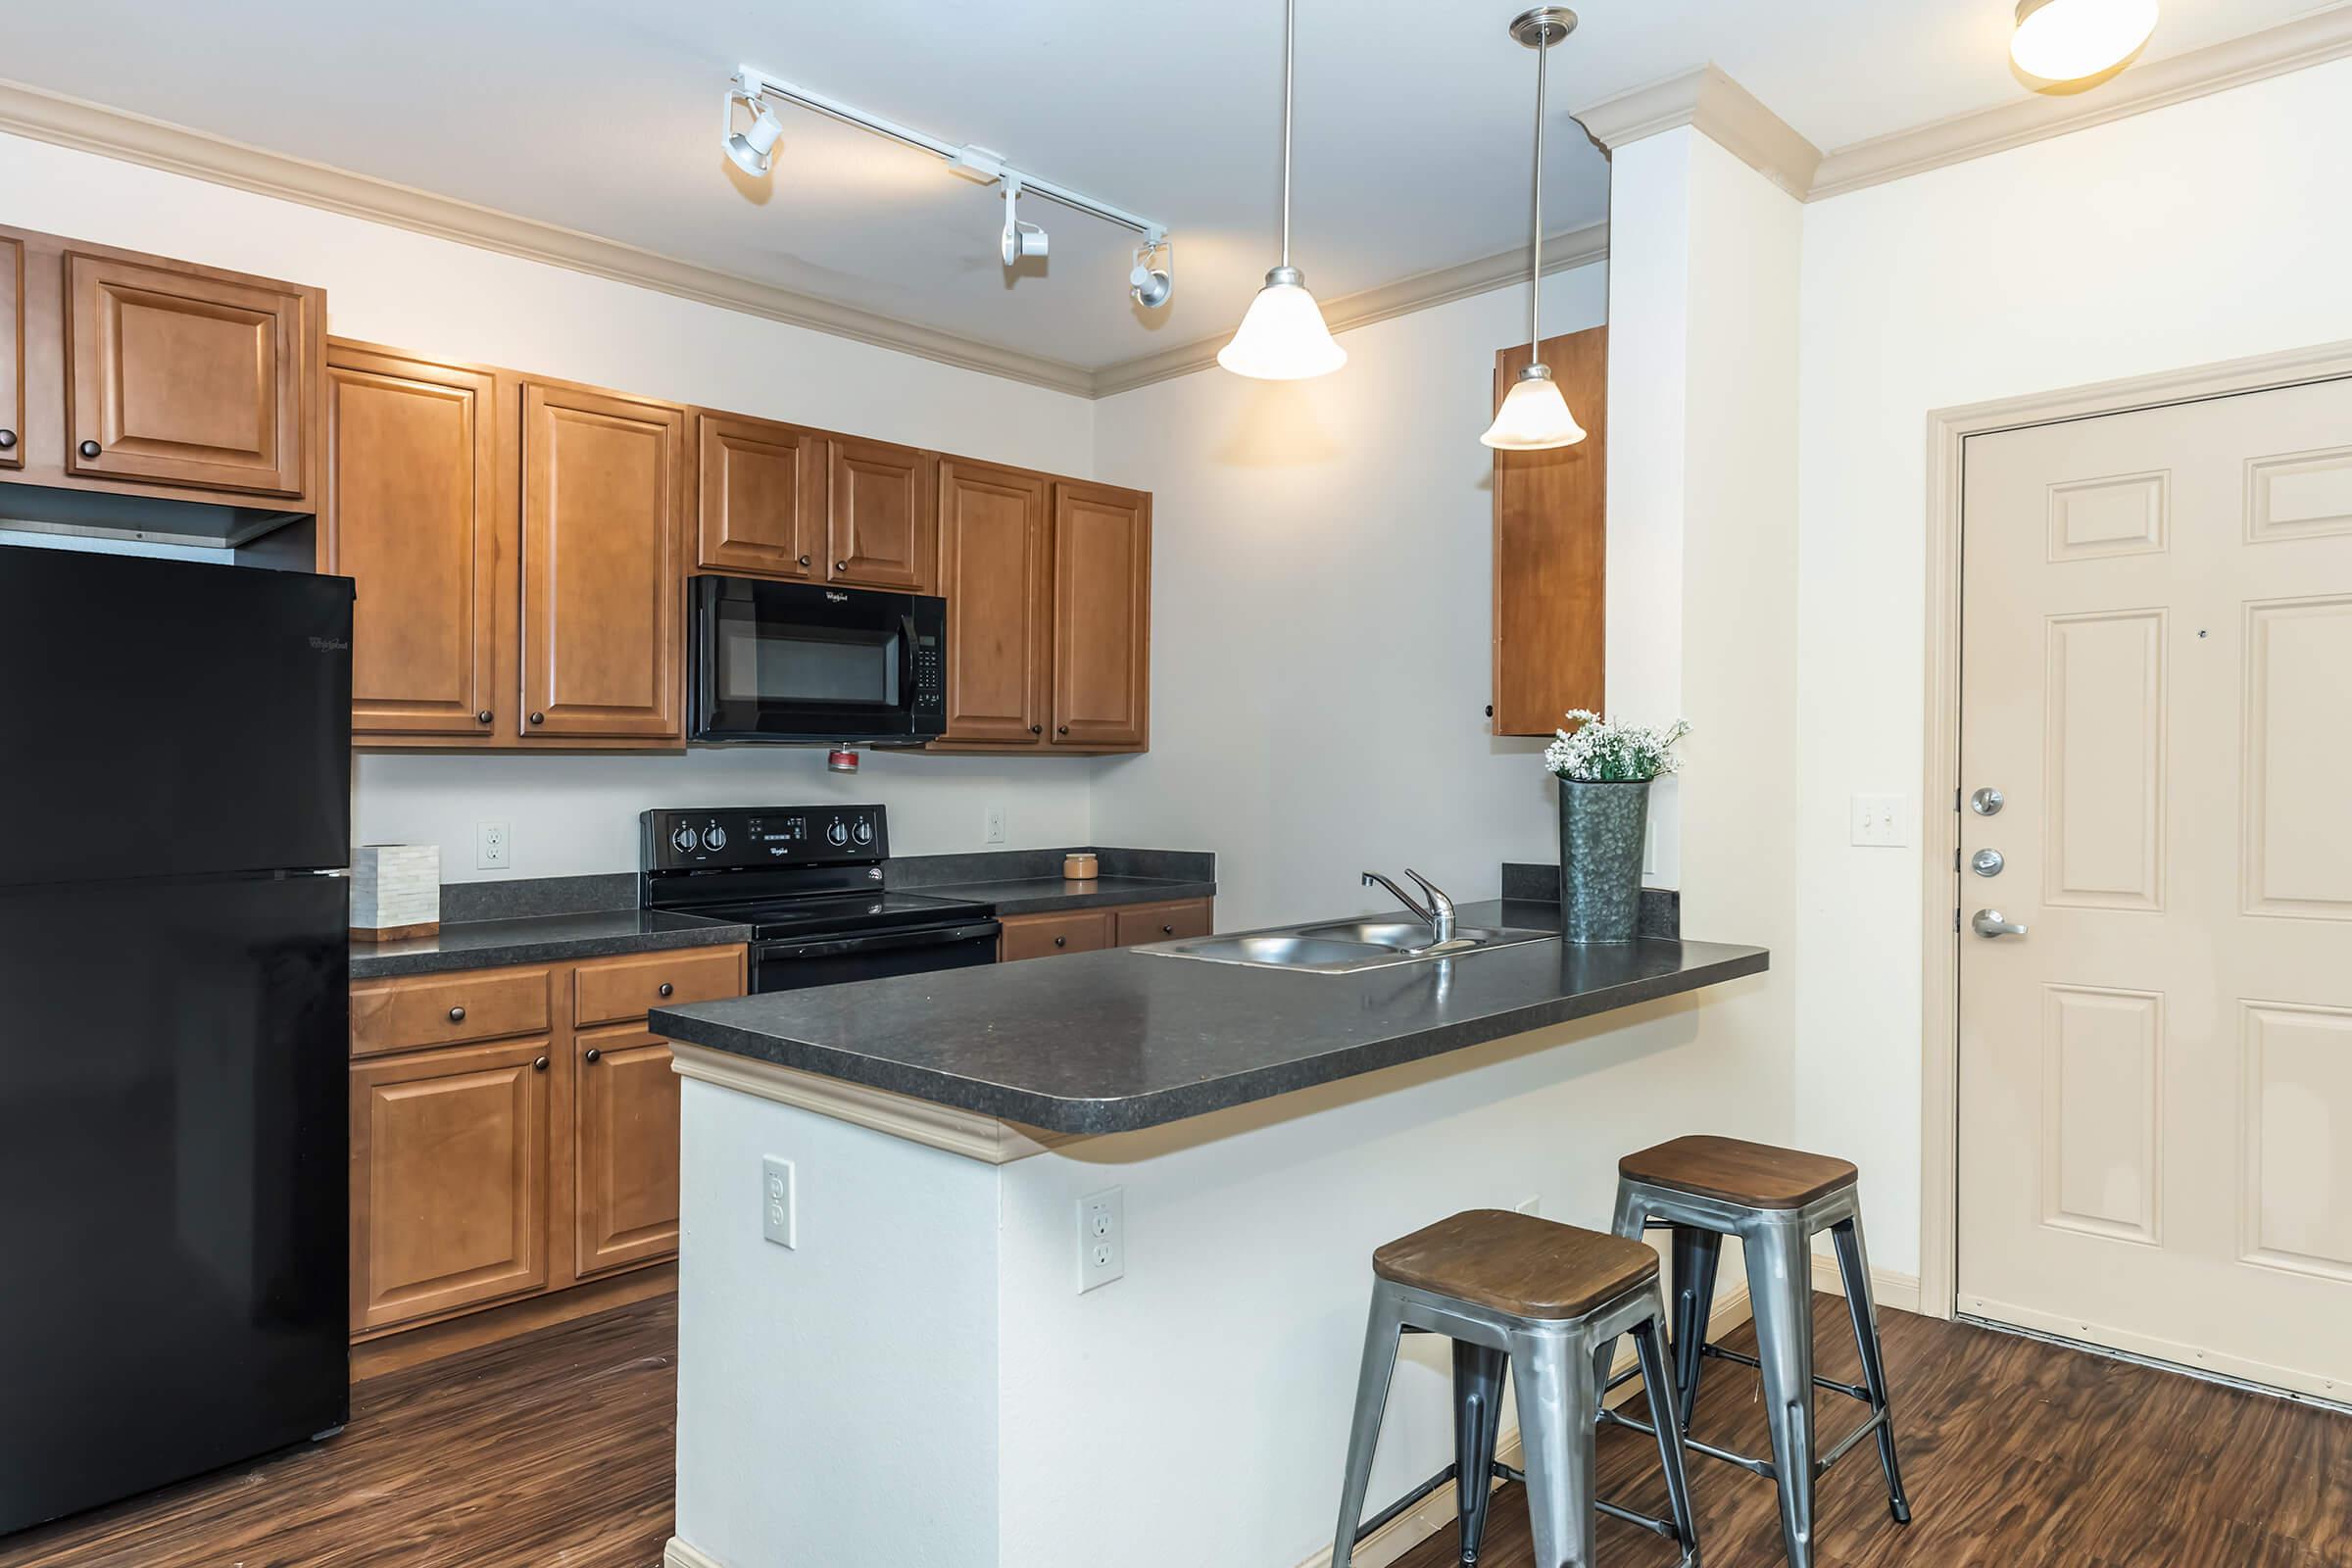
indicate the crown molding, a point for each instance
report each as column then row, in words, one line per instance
column 1574, row 248
column 134, row 138
column 1709, row 101
column 2309, row 40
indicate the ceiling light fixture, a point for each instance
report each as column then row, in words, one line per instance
column 1151, row 285
column 1534, row 414
column 1281, row 337
column 2069, row 40
column 751, row 149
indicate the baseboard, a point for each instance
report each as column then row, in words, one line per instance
column 1436, row 1511
column 678, row 1555
column 398, row 1350
column 1892, row 1292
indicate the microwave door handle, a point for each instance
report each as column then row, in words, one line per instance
column 907, row 660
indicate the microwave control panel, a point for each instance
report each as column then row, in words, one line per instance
column 727, row 837
column 930, row 675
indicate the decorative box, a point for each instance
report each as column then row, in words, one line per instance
column 395, row 890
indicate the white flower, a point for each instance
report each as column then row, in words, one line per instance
column 1601, row 750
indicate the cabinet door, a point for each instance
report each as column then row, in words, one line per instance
column 449, row 1180
column 992, row 569
column 763, row 497
column 1162, row 923
column 884, row 504
column 1550, row 549
column 1102, row 616
column 626, row 1145
column 11, row 353
column 602, row 483
column 183, row 378
column 412, row 515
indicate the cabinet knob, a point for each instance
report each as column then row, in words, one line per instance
column 8, row 439
column 538, row 719
column 90, row 449
column 539, row 1065
column 482, row 718
column 841, row 565
column 803, row 561
column 665, row 988
column 457, row 1016
column 1036, row 729
column 1061, row 942
column 1167, row 930
column 1062, row 729
column 595, row 1055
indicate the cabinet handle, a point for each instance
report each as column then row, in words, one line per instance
column 1062, row 729
column 8, row 439
column 664, row 990
column 538, row 719
column 803, row 561
column 1061, row 942
column 841, row 565
column 595, row 1055
column 457, row 1016
column 90, row 449
column 1167, row 930
column 1036, row 729
column 539, row 1065
column 482, row 718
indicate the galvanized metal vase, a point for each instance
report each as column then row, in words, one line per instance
column 1601, row 826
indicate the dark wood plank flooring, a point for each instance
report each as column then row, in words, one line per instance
column 556, row 1452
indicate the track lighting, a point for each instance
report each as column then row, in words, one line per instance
column 1147, row 285
column 1021, row 240
column 753, row 149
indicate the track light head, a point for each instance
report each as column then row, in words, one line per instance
column 754, row 147
column 1019, row 239
column 1147, row 285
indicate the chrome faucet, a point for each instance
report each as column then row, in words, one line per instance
column 1439, row 913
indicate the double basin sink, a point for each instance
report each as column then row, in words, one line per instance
column 1342, row 947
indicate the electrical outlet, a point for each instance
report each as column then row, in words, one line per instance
column 992, row 825
column 1878, row 820
column 1531, row 1205
column 779, row 1210
column 1101, row 1237
column 493, row 847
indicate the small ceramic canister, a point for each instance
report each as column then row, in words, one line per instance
column 1080, row 868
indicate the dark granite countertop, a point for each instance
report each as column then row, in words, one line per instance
column 1110, row 1041
column 539, row 939
column 1042, row 895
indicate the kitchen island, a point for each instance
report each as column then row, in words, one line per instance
column 1072, row 1256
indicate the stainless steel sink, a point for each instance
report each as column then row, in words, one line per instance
column 1340, row 946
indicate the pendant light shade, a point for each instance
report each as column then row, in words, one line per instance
column 1281, row 337
column 1535, row 414
column 2068, row 41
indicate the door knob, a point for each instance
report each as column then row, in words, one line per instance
column 1989, row 923
column 1988, row 802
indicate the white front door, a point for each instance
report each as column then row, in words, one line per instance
column 2156, row 1075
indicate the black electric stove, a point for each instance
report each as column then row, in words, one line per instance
column 808, row 880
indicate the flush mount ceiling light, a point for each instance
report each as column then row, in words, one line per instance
column 2068, row 41
column 754, row 147
column 1281, row 337
column 1534, row 414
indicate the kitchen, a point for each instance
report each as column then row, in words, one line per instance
column 1765, row 578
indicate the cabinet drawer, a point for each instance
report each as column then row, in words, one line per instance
column 617, row 990
column 1163, row 922
column 444, row 1009
column 1047, row 936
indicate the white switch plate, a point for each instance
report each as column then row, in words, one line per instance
column 779, row 1206
column 1101, row 1237
column 992, row 825
column 493, row 847
column 1878, row 820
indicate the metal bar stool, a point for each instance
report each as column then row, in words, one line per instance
column 1510, row 1288
column 1775, row 1201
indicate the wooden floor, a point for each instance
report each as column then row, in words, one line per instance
column 556, row 1452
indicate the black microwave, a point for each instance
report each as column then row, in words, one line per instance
column 799, row 664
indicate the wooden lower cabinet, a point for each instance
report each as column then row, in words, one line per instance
column 1119, row 925
column 487, row 1172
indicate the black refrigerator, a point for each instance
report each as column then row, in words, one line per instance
column 175, row 805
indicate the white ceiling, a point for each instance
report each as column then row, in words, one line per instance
column 1412, row 134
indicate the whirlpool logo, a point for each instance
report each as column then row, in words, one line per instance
column 330, row 645
column 838, row 599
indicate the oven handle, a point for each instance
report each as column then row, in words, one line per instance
column 882, row 942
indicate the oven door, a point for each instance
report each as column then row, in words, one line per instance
column 798, row 963
column 802, row 664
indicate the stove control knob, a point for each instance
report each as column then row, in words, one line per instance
column 684, row 839
column 863, row 832
column 714, row 838
column 837, row 833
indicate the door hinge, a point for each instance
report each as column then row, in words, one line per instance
column 1955, row 922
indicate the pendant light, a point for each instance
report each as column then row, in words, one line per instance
column 1534, row 414
column 1281, row 337
column 2068, row 41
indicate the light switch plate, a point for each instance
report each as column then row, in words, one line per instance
column 1878, row 821
column 779, row 1202
column 1101, row 1237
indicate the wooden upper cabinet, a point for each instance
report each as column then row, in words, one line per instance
column 761, row 487
column 11, row 353
column 1551, row 548
column 603, row 487
column 1102, row 616
column 450, row 1171
column 884, row 511
column 992, row 569
column 413, row 515
column 626, row 1149
column 182, row 377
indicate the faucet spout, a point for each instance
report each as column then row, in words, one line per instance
column 1439, row 913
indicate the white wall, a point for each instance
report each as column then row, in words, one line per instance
column 1321, row 617
column 2205, row 231
column 576, row 813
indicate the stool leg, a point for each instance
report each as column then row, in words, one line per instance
column 1555, row 1431
column 1363, row 1437
column 1630, row 1222
column 1477, row 1419
column 1697, row 1255
column 1780, row 1284
column 1853, row 1264
column 1662, row 1394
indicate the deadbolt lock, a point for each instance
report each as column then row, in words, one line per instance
column 1987, row 802
column 1986, row 863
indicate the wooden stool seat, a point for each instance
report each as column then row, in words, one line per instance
column 1757, row 1175
column 1517, row 1264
